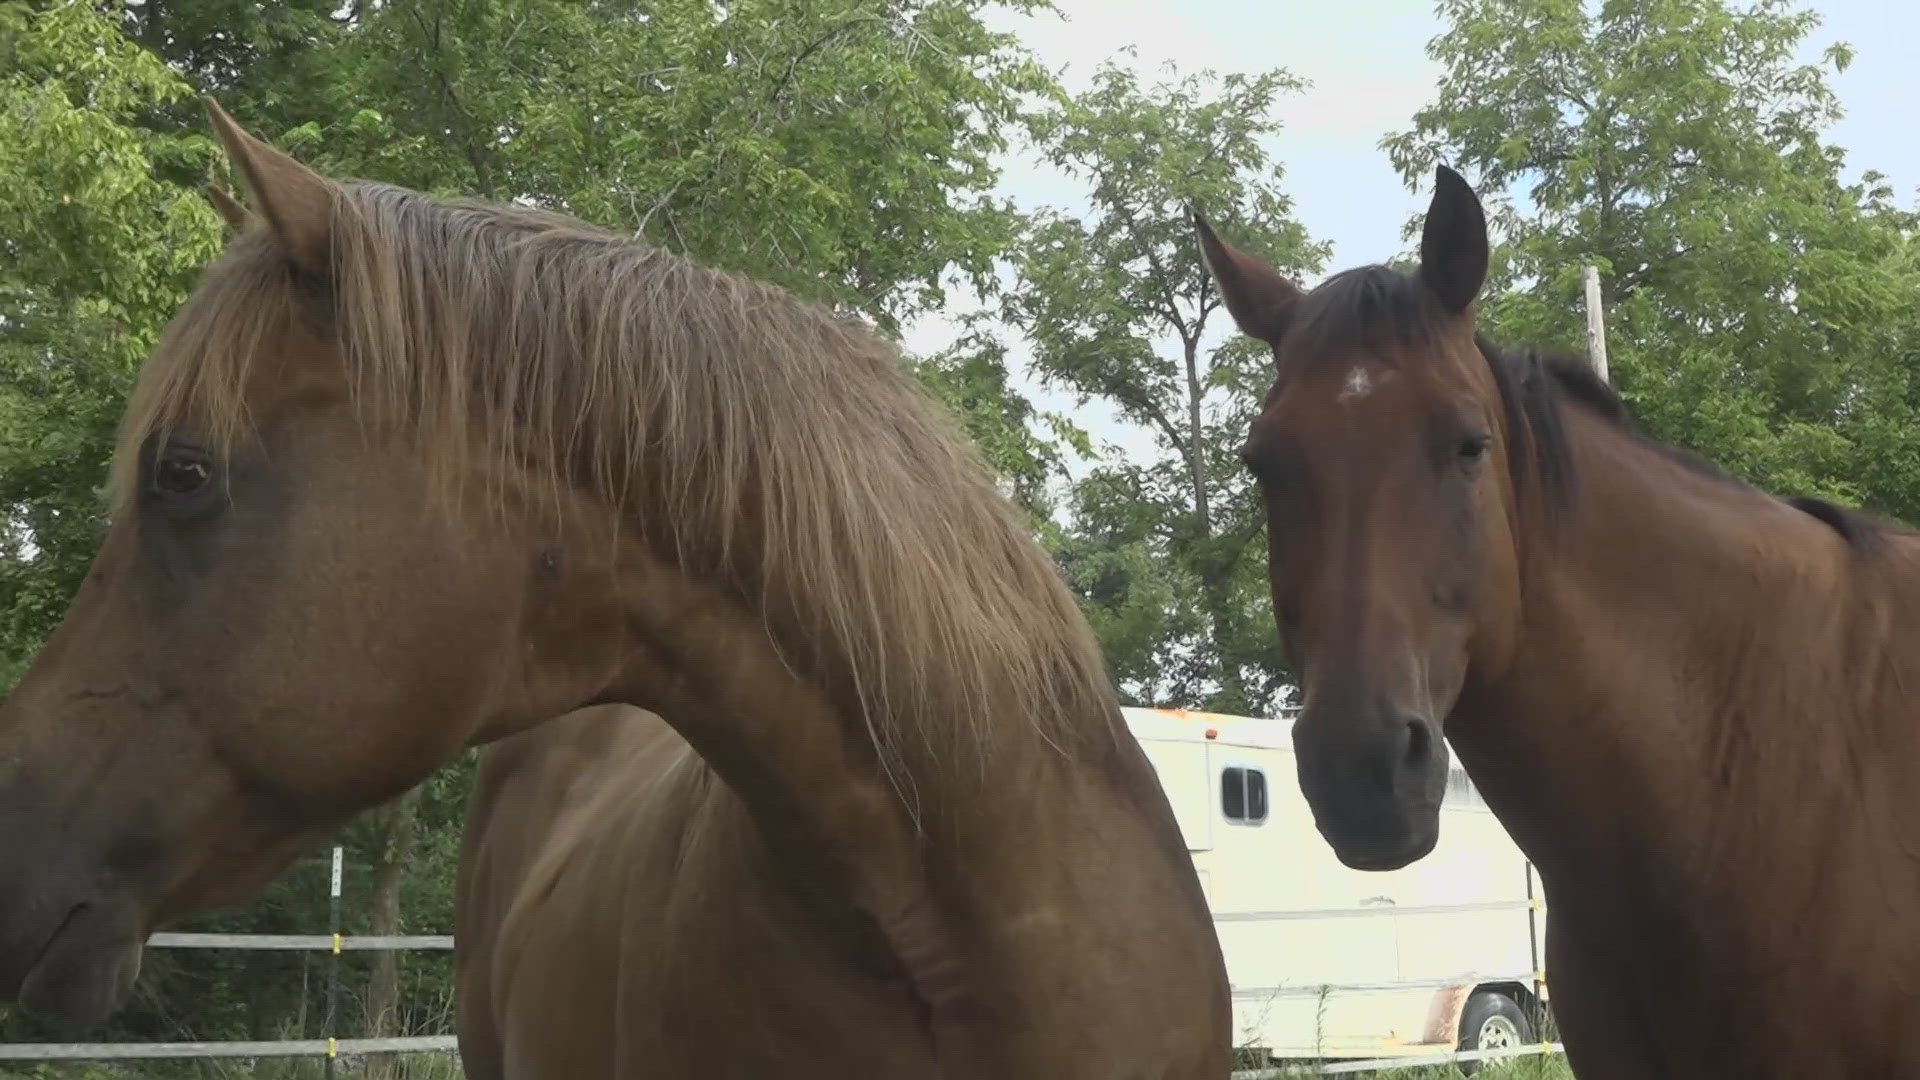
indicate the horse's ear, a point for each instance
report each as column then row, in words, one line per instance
column 231, row 211
column 1453, row 244
column 295, row 200
column 1259, row 299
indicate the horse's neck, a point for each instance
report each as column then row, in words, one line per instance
column 988, row 900
column 1688, row 674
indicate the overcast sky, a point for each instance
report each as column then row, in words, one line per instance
column 1367, row 64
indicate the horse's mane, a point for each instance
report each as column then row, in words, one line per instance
column 762, row 442
column 1573, row 380
column 1380, row 309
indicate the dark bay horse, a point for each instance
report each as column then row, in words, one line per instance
column 407, row 474
column 1689, row 701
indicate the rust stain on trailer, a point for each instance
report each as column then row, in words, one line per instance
column 1443, row 1018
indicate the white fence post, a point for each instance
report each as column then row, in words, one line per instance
column 333, row 962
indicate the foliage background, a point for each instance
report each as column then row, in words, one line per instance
column 1760, row 309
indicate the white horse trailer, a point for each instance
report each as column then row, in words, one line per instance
column 1328, row 962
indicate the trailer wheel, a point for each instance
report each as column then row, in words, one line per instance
column 1492, row 1020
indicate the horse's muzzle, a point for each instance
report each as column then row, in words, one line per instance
column 85, row 969
column 1372, row 853
column 1374, row 778
column 69, row 948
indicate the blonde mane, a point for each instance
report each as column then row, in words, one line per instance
column 762, row 442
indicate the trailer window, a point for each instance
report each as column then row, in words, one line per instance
column 1243, row 794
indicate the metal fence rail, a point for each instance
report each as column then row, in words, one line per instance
column 1339, row 1068
column 1383, row 910
column 1246, row 993
column 302, row 942
column 337, row 944
column 329, row 1048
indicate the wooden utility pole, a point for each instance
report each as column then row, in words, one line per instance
column 1596, row 324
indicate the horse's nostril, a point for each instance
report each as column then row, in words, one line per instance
column 1419, row 743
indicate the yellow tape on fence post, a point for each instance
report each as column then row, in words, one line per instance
column 1546, row 1048
column 333, row 1047
column 337, row 941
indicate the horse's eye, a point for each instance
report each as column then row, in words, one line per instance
column 1474, row 447
column 181, row 474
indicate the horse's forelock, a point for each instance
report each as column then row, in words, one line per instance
column 200, row 368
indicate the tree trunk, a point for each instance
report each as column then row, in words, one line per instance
column 389, row 870
column 1217, row 587
column 153, row 28
column 1214, row 566
column 1196, row 462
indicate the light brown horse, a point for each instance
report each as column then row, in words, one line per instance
column 1690, row 702
column 407, row 474
column 600, row 850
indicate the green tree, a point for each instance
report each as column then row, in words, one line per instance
column 1025, row 447
column 1759, row 308
column 1118, row 307
column 96, row 250
column 842, row 149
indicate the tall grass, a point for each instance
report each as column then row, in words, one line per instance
column 1531, row 1067
column 444, row 1067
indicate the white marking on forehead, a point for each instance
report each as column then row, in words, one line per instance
column 1360, row 383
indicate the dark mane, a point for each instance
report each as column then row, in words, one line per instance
column 1377, row 309
column 1536, row 385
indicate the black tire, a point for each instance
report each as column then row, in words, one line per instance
column 1495, row 1019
